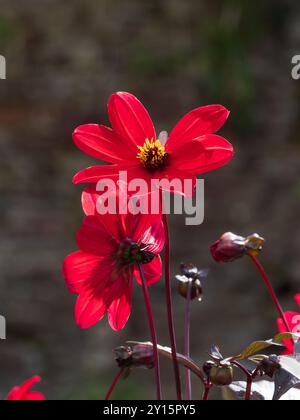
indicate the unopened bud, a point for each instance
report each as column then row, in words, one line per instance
column 207, row 367
column 230, row 247
column 269, row 365
column 189, row 281
column 221, row 375
column 137, row 355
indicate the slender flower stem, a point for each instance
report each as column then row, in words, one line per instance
column 152, row 331
column 249, row 379
column 182, row 360
column 113, row 384
column 170, row 308
column 249, row 388
column 271, row 292
column 187, row 322
column 207, row 389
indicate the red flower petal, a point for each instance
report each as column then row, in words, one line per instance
column 35, row 396
column 120, row 308
column 102, row 143
column 114, row 224
column 130, row 119
column 297, row 299
column 177, row 181
column 81, row 270
column 203, row 154
column 89, row 200
column 153, row 272
column 90, row 308
column 138, row 224
column 96, row 294
column 23, row 392
column 153, row 237
column 205, row 120
column 293, row 320
column 95, row 173
column 94, row 238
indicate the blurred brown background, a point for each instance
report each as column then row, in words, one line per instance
column 64, row 58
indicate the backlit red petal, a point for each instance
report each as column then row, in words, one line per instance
column 102, row 143
column 82, row 270
column 94, row 238
column 153, row 272
column 203, row 154
column 120, row 308
column 130, row 119
column 205, row 120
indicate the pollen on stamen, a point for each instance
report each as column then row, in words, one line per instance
column 152, row 154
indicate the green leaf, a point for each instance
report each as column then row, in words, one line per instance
column 258, row 346
column 286, row 336
column 254, row 348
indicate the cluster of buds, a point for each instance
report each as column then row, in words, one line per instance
column 135, row 355
column 230, row 247
column 189, row 281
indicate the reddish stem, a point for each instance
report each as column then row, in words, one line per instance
column 113, row 384
column 249, row 388
column 187, row 322
column 249, row 379
column 170, row 308
column 271, row 292
column 152, row 331
column 207, row 389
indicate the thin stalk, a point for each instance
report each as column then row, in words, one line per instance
column 249, row 379
column 271, row 292
column 249, row 388
column 170, row 308
column 113, row 384
column 207, row 389
column 152, row 331
column 187, row 324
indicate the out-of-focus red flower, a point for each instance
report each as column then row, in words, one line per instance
column 293, row 319
column 24, row 393
column 102, row 272
column 132, row 144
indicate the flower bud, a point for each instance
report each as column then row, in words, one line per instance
column 269, row 365
column 221, row 375
column 137, row 355
column 190, row 278
column 207, row 367
column 230, row 247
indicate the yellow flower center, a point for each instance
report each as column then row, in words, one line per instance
column 152, row 155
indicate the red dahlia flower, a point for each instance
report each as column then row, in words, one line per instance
column 293, row 319
column 24, row 393
column 102, row 272
column 132, row 144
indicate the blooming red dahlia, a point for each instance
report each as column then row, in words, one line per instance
column 24, row 393
column 132, row 144
column 293, row 319
column 102, row 272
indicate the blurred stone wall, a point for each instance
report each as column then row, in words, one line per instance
column 64, row 58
